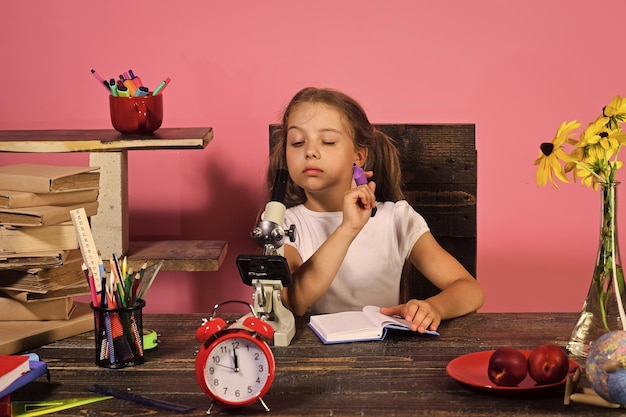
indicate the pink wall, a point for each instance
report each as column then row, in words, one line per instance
column 515, row 69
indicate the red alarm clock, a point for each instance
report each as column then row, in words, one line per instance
column 235, row 366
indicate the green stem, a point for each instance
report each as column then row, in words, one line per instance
column 608, row 274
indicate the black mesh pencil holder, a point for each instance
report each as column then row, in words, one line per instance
column 119, row 335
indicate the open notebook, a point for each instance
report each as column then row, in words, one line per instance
column 357, row 326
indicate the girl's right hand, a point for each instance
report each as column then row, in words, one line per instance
column 358, row 204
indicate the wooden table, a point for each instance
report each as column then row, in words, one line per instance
column 401, row 376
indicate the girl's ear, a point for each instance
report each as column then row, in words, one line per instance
column 360, row 156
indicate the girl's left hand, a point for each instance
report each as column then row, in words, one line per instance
column 421, row 313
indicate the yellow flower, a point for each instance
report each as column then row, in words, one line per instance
column 552, row 154
column 619, row 136
column 597, row 166
column 597, row 132
column 615, row 111
column 592, row 158
column 577, row 155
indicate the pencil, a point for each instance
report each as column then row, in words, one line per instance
column 117, row 274
column 144, row 288
column 124, row 266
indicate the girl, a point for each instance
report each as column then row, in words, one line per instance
column 344, row 258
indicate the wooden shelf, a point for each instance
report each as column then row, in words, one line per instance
column 47, row 141
column 179, row 255
column 108, row 150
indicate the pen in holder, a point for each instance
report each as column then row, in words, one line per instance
column 119, row 335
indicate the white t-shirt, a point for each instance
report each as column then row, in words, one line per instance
column 372, row 268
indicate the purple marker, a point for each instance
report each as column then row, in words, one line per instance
column 359, row 178
column 135, row 79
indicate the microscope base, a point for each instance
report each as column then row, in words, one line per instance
column 269, row 307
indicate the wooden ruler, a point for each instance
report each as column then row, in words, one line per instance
column 87, row 245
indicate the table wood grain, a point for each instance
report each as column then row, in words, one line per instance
column 401, row 376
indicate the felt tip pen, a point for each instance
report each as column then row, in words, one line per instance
column 141, row 91
column 101, row 80
column 360, row 179
column 137, row 81
column 161, row 86
column 113, row 87
column 130, row 85
column 134, row 78
column 122, row 91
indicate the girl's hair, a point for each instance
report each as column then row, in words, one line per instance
column 382, row 155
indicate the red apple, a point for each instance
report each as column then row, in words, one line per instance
column 548, row 364
column 507, row 366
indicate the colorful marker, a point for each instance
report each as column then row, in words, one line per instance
column 122, row 91
column 113, row 87
column 360, row 179
column 141, row 91
column 101, row 80
column 130, row 85
column 135, row 79
column 161, row 86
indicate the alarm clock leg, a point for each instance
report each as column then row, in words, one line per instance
column 265, row 407
column 208, row 412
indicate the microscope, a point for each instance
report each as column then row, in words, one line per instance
column 269, row 273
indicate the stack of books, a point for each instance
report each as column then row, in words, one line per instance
column 15, row 372
column 40, row 260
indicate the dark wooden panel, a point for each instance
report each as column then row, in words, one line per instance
column 448, row 213
column 439, row 173
column 435, row 153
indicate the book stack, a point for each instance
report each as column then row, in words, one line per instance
column 40, row 263
column 17, row 371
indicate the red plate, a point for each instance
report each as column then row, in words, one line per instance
column 471, row 369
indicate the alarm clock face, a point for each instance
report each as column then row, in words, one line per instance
column 236, row 369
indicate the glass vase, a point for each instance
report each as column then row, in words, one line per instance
column 601, row 312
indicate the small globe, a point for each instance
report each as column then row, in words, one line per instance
column 608, row 349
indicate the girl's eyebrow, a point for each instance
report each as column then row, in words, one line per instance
column 328, row 129
column 332, row 130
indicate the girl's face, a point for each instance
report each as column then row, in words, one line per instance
column 320, row 149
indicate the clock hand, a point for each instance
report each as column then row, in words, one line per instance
column 236, row 369
column 225, row 366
